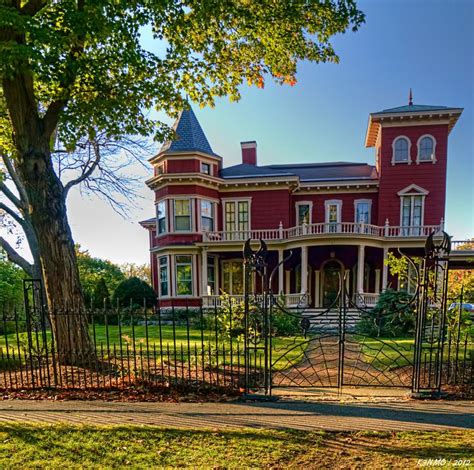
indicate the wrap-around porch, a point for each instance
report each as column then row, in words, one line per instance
column 309, row 277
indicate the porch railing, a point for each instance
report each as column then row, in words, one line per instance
column 290, row 300
column 322, row 229
column 368, row 299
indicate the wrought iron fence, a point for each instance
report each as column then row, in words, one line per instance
column 167, row 346
column 131, row 347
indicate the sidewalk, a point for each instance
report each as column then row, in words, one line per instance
column 390, row 416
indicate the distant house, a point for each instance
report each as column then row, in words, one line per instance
column 341, row 217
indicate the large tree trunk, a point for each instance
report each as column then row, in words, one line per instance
column 58, row 258
column 48, row 215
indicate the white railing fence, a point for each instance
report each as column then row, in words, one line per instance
column 322, row 229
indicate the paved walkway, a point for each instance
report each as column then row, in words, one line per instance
column 400, row 416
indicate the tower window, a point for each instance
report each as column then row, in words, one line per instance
column 401, row 150
column 426, row 148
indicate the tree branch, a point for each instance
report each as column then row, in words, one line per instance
column 14, row 257
column 18, row 184
column 14, row 200
column 12, row 214
column 87, row 172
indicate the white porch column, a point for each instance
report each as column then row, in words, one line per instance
column 304, row 269
column 360, row 269
column 281, row 273
column 377, row 281
column 347, row 274
column 204, row 271
column 384, row 270
column 317, row 287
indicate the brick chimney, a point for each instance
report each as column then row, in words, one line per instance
column 249, row 152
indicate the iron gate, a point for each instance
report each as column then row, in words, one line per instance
column 297, row 347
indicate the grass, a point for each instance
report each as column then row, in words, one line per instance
column 26, row 446
column 189, row 340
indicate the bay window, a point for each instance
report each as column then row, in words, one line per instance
column 162, row 221
column 164, row 276
column 207, row 216
column 182, row 215
column 184, row 274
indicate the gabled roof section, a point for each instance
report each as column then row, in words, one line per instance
column 413, row 112
column 305, row 172
column 189, row 136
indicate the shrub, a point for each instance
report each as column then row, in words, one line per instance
column 134, row 292
column 392, row 316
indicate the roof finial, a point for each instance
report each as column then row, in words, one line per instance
column 410, row 98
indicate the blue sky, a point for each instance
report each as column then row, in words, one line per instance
column 426, row 45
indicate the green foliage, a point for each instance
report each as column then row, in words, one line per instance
column 392, row 316
column 230, row 317
column 92, row 270
column 89, row 60
column 285, row 323
column 101, row 296
column 11, row 283
column 134, row 292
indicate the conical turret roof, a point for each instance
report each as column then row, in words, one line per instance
column 190, row 136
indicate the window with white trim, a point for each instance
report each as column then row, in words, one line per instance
column 237, row 216
column 211, row 275
column 333, row 215
column 205, row 168
column 362, row 211
column 207, row 216
column 401, row 150
column 182, row 215
column 303, row 213
column 162, row 220
column 184, row 274
column 412, row 214
column 164, row 276
column 426, row 147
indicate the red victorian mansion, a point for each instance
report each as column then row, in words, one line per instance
column 336, row 218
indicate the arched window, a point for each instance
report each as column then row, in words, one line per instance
column 401, row 150
column 426, row 147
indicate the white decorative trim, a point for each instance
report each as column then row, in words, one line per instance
column 395, row 162
column 433, row 155
column 413, row 190
column 362, row 201
column 304, row 203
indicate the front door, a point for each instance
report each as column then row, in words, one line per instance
column 331, row 279
column 233, row 277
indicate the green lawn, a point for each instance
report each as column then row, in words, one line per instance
column 26, row 446
column 186, row 342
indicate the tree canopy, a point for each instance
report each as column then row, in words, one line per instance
column 84, row 65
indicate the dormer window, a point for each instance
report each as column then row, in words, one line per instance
column 401, row 150
column 205, row 168
column 426, row 149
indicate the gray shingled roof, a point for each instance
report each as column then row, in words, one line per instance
column 332, row 171
column 413, row 108
column 190, row 136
